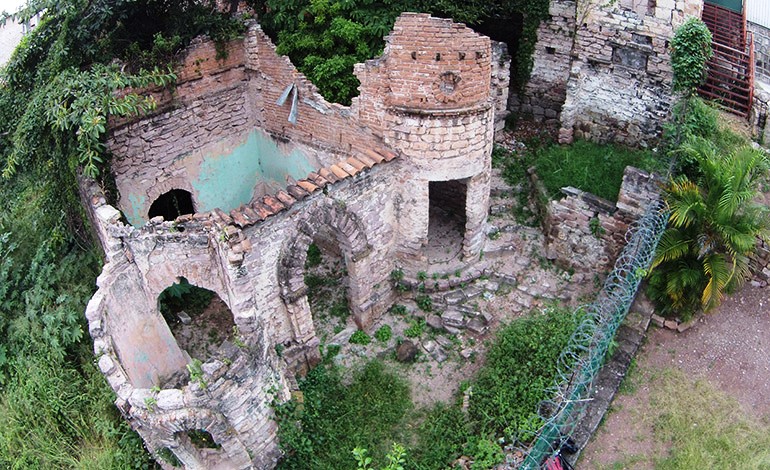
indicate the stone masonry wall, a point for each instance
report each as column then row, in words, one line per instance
column 761, row 51
column 545, row 92
column 586, row 233
column 619, row 86
column 602, row 72
column 443, row 128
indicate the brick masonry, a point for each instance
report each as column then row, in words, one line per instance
column 425, row 113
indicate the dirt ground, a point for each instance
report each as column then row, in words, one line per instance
column 729, row 348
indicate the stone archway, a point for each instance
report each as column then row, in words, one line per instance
column 350, row 235
column 171, row 432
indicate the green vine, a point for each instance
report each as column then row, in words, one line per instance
column 690, row 51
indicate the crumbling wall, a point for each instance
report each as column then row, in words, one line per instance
column 601, row 71
column 544, row 94
column 586, row 233
column 222, row 136
column 429, row 97
column 620, row 80
column 761, row 51
column 253, row 255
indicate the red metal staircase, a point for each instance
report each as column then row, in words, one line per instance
column 730, row 80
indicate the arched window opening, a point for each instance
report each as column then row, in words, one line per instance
column 447, row 219
column 326, row 279
column 199, row 320
column 197, row 448
column 172, row 204
column 202, row 439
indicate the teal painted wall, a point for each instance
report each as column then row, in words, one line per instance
column 734, row 5
column 228, row 180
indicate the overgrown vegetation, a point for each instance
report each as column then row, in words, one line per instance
column 325, row 38
column 378, row 412
column 588, row 166
column 519, row 367
column 321, row 432
column 715, row 220
column 56, row 96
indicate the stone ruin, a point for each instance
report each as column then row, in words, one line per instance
column 243, row 166
column 264, row 176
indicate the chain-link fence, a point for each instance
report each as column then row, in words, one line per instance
column 581, row 360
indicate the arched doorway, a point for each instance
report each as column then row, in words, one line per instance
column 337, row 235
column 327, row 282
column 198, row 318
column 172, row 204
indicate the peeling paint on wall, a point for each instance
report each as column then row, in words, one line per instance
column 229, row 180
column 225, row 176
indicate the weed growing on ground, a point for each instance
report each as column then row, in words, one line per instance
column 424, row 302
column 383, row 333
column 416, row 327
column 360, row 337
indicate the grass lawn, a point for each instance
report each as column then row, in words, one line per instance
column 594, row 168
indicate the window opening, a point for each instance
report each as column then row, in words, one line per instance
column 172, row 204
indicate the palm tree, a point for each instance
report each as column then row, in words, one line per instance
column 713, row 229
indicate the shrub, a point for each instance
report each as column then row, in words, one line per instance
column 713, row 230
column 520, row 366
column 398, row 309
column 416, row 327
column 335, row 418
column 383, row 333
column 424, row 302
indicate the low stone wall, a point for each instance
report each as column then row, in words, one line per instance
column 585, row 232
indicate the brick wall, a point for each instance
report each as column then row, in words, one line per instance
column 586, row 233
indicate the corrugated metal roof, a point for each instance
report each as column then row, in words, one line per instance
column 758, row 11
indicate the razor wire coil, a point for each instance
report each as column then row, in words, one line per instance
column 581, row 360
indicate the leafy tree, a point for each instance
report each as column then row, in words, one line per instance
column 713, row 229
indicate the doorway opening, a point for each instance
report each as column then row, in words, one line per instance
column 172, row 204
column 447, row 219
column 199, row 320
